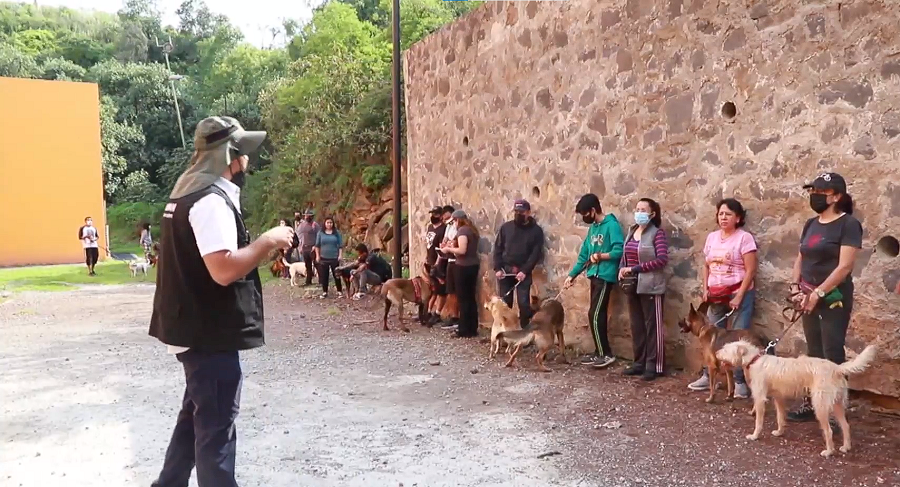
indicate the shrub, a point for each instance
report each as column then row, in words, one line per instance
column 376, row 177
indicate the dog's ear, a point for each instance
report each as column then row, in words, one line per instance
column 704, row 306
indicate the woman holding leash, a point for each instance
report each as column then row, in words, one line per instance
column 642, row 279
column 821, row 282
column 465, row 248
column 329, row 249
column 730, row 263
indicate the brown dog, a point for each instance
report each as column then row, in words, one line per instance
column 277, row 267
column 505, row 319
column 546, row 325
column 711, row 339
column 415, row 290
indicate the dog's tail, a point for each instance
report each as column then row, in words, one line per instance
column 517, row 337
column 859, row 363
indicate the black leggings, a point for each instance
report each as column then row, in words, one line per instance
column 825, row 329
column 467, row 294
column 324, row 266
column 91, row 255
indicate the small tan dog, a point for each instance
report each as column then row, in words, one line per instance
column 546, row 325
column 295, row 269
column 787, row 378
column 505, row 319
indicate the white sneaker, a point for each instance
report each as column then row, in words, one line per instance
column 323, row 296
column 741, row 391
column 340, row 295
column 701, row 384
column 358, row 296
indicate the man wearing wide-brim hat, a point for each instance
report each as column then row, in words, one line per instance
column 208, row 301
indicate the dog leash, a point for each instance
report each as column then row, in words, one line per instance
column 796, row 314
column 724, row 317
column 513, row 288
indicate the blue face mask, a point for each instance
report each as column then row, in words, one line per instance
column 641, row 218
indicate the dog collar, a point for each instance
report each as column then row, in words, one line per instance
column 753, row 360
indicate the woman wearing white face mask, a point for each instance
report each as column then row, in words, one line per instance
column 642, row 279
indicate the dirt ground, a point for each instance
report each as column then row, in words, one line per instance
column 87, row 399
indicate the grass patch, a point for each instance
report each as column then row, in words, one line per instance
column 69, row 276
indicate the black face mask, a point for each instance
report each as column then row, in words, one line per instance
column 818, row 202
column 435, row 220
column 521, row 219
column 239, row 179
column 588, row 218
column 309, row 218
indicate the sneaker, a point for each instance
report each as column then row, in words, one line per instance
column 803, row 413
column 449, row 326
column 603, row 361
column 649, row 375
column 323, row 296
column 588, row 359
column 633, row 369
column 358, row 296
column 701, row 384
column 340, row 294
column 741, row 391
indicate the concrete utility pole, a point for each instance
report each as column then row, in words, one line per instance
column 166, row 49
column 398, row 241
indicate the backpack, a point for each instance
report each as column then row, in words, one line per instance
column 81, row 232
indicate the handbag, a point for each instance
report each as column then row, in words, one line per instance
column 628, row 284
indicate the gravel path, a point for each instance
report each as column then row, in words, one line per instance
column 87, row 398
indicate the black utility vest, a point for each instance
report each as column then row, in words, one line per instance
column 189, row 308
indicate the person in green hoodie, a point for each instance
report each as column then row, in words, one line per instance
column 600, row 254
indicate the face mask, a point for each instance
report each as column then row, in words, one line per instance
column 818, row 202
column 641, row 218
column 520, row 219
column 435, row 220
column 308, row 218
column 588, row 218
column 239, row 179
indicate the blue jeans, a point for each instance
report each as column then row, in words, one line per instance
column 740, row 320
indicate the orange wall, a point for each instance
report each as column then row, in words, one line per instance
column 50, row 170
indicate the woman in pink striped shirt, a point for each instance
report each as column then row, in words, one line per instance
column 642, row 278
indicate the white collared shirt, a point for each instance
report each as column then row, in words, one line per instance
column 213, row 224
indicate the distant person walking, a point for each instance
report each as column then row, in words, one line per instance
column 308, row 231
column 89, row 237
column 208, row 302
column 146, row 239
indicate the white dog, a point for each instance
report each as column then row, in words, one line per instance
column 136, row 266
column 295, row 269
column 787, row 378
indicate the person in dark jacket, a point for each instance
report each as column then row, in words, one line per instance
column 208, row 303
column 518, row 249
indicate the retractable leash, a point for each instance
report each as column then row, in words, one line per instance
column 796, row 313
column 513, row 288
column 724, row 317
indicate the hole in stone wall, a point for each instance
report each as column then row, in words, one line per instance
column 536, row 192
column 729, row 110
column 888, row 246
column 466, row 141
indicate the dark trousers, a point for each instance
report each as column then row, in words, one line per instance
column 204, row 434
column 523, row 296
column 309, row 259
column 327, row 266
column 598, row 315
column 91, row 255
column 825, row 328
column 467, row 294
column 647, row 330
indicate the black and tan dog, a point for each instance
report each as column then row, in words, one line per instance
column 711, row 339
column 414, row 290
column 546, row 326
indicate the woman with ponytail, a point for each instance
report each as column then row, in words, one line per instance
column 822, row 284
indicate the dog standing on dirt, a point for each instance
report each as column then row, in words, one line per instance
column 505, row 319
column 711, row 339
column 136, row 266
column 295, row 269
column 415, row 290
column 787, row 378
column 546, row 325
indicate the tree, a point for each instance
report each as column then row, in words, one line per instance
column 115, row 137
column 15, row 63
column 61, row 69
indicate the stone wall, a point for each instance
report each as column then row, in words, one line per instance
column 685, row 101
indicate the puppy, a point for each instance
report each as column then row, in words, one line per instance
column 786, row 378
column 711, row 339
column 153, row 258
column 546, row 325
column 415, row 290
column 277, row 267
column 295, row 269
column 136, row 266
column 505, row 319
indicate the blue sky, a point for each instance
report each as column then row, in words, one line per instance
column 253, row 17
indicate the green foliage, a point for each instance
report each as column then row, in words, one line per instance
column 15, row 63
column 61, row 69
column 376, row 177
